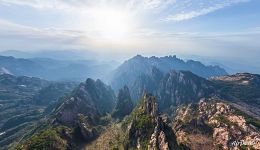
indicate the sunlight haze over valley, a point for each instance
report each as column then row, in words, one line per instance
column 129, row 75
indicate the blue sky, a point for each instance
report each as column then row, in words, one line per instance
column 209, row 28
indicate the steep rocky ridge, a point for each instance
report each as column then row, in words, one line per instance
column 145, row 129
column 79, row 118
column 214, row 124
column 180, row 87
column 148, row 82
column 127, row 73
column 124, row 104
column 92, row 99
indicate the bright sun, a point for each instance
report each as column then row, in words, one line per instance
column 112, row 25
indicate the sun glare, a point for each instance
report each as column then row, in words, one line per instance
column 112, row 25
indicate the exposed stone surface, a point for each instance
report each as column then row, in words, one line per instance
column 92, row 98
column 85, row 128
column 224, row 125
column 127, row 73
column 124, row 105
column 180, row 87
column 147, row 130
column 158, row 138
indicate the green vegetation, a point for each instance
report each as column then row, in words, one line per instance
column 233, row 91
column 143, row 121
column 224, row 120
column 45, row 140
column 249, row 119
column 142, row 124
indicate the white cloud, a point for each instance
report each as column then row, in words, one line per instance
column 202, row 11
column 82, row 4
column 16, row 36
column 145, row 37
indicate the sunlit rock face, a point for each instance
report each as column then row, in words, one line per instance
column 91, row 98
column 147, row 130
column 215, row 124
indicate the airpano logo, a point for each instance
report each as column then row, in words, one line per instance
column 245, row 142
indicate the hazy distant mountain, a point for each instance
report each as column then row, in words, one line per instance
column 20, row 66
column 52, row 69
column 127, row 73
column 16, row 53
column 53, row 54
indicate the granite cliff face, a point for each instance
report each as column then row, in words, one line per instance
column 180, row 87
column 174, row 88
column 214, row 124
column 124, row 105
column 131, row 69
column 92, row 98
column 148, row 82
column 146, row 129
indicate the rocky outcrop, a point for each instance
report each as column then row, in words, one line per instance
column 174, row 88
column 92, row 98
column 124, row 105
column 85, row 128
column 147, row 130
column 240, row 79
column 158, row 138
column 240, row 87
column 216, row 125
column 182, row 87
column 146, row 83
column 149, row 106
column 127, row 73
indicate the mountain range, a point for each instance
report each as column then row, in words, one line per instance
column 146, row 103
column 137, row 66
column 55, row 70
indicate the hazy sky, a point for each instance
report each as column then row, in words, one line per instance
column 229, row 28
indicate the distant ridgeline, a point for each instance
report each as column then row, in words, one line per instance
column 157, row 103
column 143, row 71
column 52, row 69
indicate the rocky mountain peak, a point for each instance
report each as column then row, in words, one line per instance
column 178, row 87
column 92, row 98
column 124, row 93
column 124, row 105
column 149, row 105
column 146, row 129
column 240, row 79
